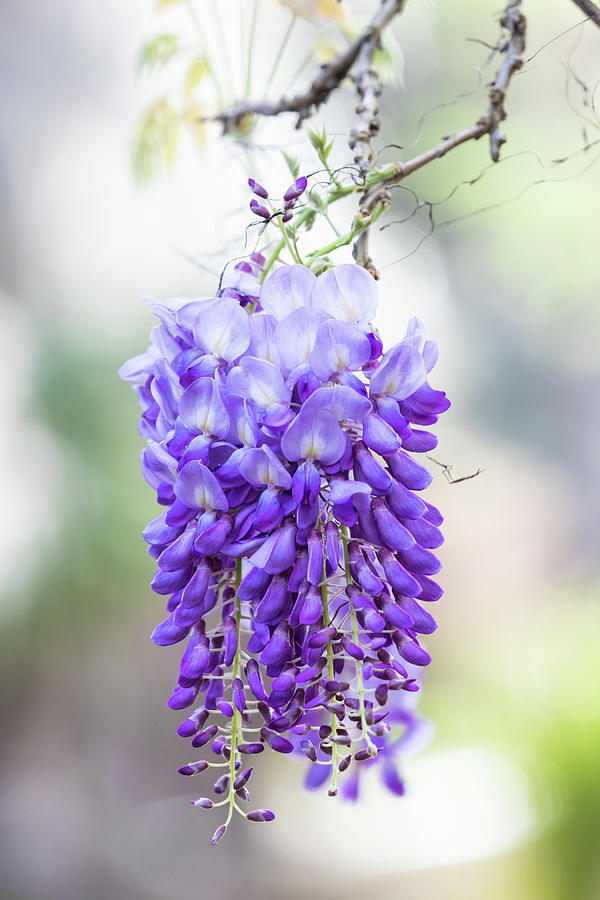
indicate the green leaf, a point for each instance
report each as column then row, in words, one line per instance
column 320, row 264
column 196, row 72
column 292, row 164
column 158, row 52
column 319, row 141
column 388, row 62
column 318, row 203
column 155, row 141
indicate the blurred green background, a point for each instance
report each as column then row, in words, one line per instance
column 505, row 801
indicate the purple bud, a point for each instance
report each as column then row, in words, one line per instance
column 257, row 189
column 168, row 632
column 231, row 643
column 191, row 725
column 312, row 607
column 430, row 590
column 320, row 638
column 259, row 210
column 393, row 533
column 276, row 741
column 203, row 803
column 413, row 653
column 286, row 216
column 369, row 470
column 298, row 573
column 251, row 748
column 226, row 708
column 410, row 473
column 218, row 835
column 261, row 815
column 218, row 746
column 381, row 694
column 254, row 681
column 242, row 779
column 376, row 345
column 221, row 784
column 193, row 768
column 315, row 557
column 420, row 441
column 205, row 736
column 278, row 650
column 296, row 189
column 182, row 697
column 352, row 649
column 239, row 697
column 274, row 601
column 308, row 750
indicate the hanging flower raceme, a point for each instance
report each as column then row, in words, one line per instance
column 294, row 548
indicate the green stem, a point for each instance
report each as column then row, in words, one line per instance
column 330, row 672
column 360, row 224
column 271, row 259
column 293, row 253
column 236, row 715
column 359, row 665
column 338, row 192
column 328, row 219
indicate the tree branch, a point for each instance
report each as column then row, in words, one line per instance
column 590, row 9
column 379, row 180
column 367, row 124
column 325, row 82
column 368, row 88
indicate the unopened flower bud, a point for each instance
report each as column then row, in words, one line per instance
column 257, row 189
column 296, row 189
column 259, row 210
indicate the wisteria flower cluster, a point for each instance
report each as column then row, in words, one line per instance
column 294, row 549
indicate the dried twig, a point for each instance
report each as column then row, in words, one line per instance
column 368, row 88
column 447, row 472
column 376, row 191
column 325, row 82
column 590, row 9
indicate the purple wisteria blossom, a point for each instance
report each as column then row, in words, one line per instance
column 293, row 546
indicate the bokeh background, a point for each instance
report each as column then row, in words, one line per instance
column 505, row 801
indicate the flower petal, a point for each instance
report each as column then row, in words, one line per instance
column 346, row 292
column 344, row 402
column 314, row 434
column 295, row 337
column 285, row 290
column 260, row 466
column 202, row 410
column 400, row 373
column 339, row 347
column 259, row 381
column 197, row 487
column 222, row 329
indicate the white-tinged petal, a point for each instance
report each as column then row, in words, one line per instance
column 295, row 337
column 286, row 289
column 222, row 329
column 346, row 292
column 259, row 381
